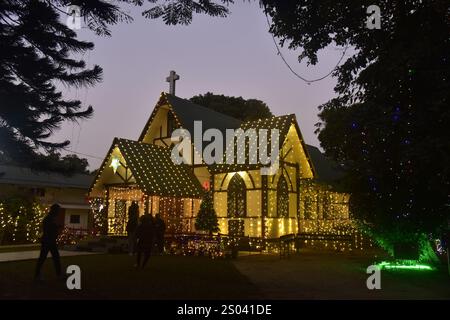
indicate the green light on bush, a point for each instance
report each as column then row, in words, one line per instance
column 400, row 266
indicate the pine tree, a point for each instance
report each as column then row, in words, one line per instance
column 37, row 51
column 207, row 218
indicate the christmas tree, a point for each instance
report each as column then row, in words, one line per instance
column 207, row 218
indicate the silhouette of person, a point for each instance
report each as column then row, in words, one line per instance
column 144, row 235
column 48, row 241
column 133, row 220
column 160, row 228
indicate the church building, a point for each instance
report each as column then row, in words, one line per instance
column 298, row 198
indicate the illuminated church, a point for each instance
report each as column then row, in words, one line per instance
column 298, row 198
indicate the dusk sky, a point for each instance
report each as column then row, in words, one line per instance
column 234, row 56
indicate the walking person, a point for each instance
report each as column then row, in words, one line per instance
column 48, row 242
column 160, row 228
column 132, row 224
column 144, row 235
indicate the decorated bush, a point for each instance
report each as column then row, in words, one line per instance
column 207, row 217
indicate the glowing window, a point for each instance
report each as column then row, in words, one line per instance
column 236, row 197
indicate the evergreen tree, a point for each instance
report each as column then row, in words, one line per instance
column 236, row 107
column 389, row 124
column 207, row 219
column 37, row 51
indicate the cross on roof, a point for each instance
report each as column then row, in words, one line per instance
column 171, row 79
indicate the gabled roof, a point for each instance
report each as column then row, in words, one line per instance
column 187, row 112
column 327, row 170
column 33, row 178
column 154, row 171
column 282, row 123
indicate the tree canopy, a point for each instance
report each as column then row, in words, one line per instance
column 35, row 57
column 38, row 54
column 388, row 123
column 236, row 107
column 67, row 164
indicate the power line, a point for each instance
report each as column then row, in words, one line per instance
column 308, row 81
column 83, row 154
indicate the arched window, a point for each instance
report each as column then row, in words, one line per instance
column 236, row 197
column 282, row 198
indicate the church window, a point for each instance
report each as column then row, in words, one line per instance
column 236, row 197
column 282, row 198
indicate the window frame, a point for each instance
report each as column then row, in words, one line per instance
column 236, row 197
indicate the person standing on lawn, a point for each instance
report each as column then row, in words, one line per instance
column 160, row 228
column 48, row 241
column 133, row 219
column 144, row 235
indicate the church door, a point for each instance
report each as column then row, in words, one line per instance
column 120, row 217
column 171, row 211
column 282, row 198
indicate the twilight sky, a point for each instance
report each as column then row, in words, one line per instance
column 233, row 56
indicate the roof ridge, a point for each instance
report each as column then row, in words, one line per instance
column 142, row 143
column 272, row 117
column 156, row 173
column 203, row 107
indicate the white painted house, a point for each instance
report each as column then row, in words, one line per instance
column 70, row 192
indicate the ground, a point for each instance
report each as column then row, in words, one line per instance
column 114, row 277
column 309, row 275
column 330, row 275
column 18, row 248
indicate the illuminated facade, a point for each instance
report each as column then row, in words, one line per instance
column 296, row 199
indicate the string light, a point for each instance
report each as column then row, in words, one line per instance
column 22, row 225
column 148, row 176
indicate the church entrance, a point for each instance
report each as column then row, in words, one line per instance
column 119, row 201
column 120, row 217
column 171, row 211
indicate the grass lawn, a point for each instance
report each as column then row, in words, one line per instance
column 114, row 277
column 327, row 275
column 309, row 275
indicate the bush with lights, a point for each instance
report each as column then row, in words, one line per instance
column 20, row 220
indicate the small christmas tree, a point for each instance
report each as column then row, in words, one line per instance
column 207, row 218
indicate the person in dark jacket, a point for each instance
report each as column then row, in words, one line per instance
column 133, row 220
column 160, row 228
column 144, row 235
column 48, row 241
